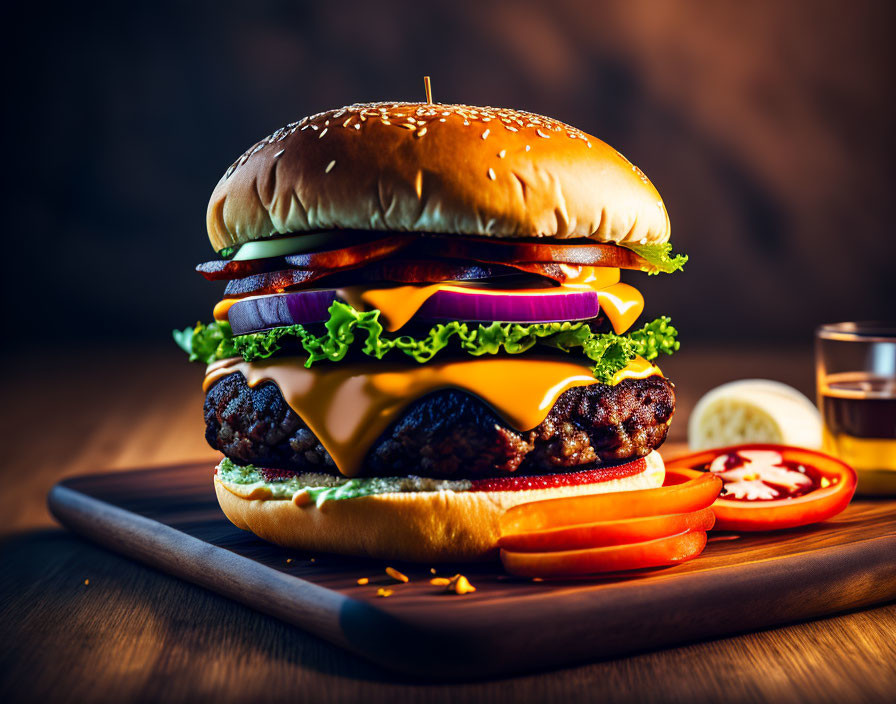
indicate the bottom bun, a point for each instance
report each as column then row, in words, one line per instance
column 420, row 526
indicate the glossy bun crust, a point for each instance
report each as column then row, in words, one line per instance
column 416, row 167
column 428, row 527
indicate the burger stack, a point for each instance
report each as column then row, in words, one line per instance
column 423, row 324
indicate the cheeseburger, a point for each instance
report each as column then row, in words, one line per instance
column 423, row 324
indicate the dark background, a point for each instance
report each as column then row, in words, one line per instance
column 767, row 127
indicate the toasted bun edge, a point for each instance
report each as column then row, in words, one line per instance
column 426, row 527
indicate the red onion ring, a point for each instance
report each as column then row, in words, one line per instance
column 474, row 305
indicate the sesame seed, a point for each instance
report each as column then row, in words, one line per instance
column 491, row 174
column 384, row 592
column 502, row 153
column 330, row 166
column 643, row 240
column 363, row 581
column 528, row 147
column 408, row 116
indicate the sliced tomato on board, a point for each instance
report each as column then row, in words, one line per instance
column 762, row 493
column 614, row 532
column 688, row 496
column 571, row 563
column 608, row 533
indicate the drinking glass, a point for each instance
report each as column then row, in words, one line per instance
column 856, row 380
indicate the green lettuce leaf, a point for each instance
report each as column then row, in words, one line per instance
column 321, row 488
column 348, row 327
column 206, row 343
column 659, row 256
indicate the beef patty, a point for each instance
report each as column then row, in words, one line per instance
column 450, row 433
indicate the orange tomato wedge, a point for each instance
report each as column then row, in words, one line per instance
column 690, row 495
column 607, row 533
column 680, row 475
column 570, row 563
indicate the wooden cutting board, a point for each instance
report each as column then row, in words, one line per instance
column 169, row 518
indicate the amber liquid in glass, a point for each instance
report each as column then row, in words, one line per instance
column 859, row 413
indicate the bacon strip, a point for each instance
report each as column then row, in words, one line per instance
column 332, row 259
column 392, row 270
column 422, row 247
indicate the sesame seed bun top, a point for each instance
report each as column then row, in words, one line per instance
column 428, row 167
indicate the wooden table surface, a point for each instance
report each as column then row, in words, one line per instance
column 80, row 624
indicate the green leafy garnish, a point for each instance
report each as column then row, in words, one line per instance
column 320, row 487
column 228, row 252
column 659, row 256
column 206, row 343
column 348, row 327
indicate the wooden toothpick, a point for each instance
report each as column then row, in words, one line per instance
column 428, row 87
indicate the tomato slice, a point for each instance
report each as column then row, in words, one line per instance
column 617, row 558
column 607, row 533
column 691, row 495
column 813, row 501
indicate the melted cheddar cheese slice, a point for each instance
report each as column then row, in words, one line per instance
column 621, row 303
column 348, row 406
